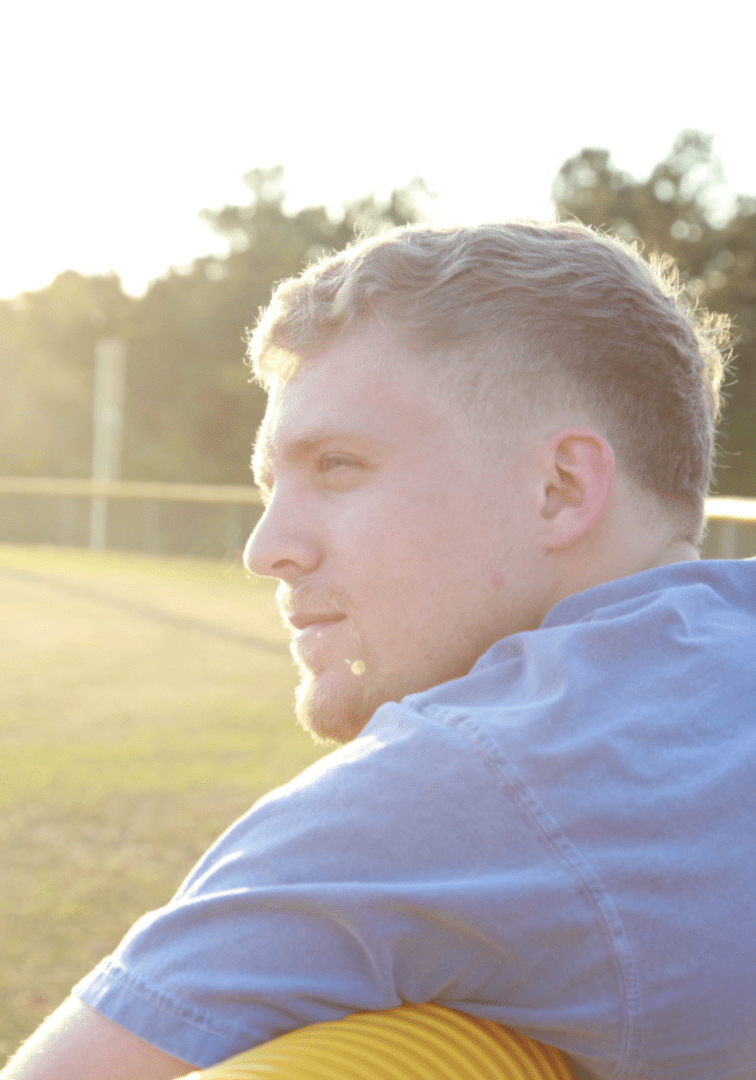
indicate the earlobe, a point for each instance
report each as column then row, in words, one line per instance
column 578, row 477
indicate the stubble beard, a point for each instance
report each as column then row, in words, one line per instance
column 335, row 703
column 336, row 713
column 332, row 703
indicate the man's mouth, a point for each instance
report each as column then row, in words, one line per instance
column 314, row 620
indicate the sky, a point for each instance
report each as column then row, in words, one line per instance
column 122, row 121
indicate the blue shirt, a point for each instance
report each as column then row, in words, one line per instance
column 563, row 841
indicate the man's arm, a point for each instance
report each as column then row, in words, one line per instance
column 77, row 1043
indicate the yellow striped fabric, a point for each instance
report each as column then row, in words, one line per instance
column 412, row 1042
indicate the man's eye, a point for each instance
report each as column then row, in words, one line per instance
column 335, row 461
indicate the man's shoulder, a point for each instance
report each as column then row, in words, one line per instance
column 615, row 681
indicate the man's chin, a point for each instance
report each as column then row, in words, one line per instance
column 333, row 713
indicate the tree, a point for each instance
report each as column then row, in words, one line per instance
column 685, row 209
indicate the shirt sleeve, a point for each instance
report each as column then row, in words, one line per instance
column 396, row 869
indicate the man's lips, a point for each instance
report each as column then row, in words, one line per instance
column 302, row 620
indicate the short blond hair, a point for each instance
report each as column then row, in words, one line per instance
column 525, row 317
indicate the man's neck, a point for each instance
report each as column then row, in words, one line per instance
column 619, row 562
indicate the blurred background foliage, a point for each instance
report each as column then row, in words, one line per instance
column 191, row 412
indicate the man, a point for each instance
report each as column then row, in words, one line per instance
column 484, row 459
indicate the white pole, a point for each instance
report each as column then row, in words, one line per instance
column 107, row 429
column 727, row 539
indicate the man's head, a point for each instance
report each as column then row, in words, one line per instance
column 446, row 410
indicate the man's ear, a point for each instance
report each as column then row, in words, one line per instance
column 578, row 471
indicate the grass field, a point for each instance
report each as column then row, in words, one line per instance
column 144, row 704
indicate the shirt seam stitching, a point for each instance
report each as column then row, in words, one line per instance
column 179, row 1009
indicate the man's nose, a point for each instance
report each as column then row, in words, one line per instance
column 281, row 546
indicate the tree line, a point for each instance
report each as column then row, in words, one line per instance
column 191, row 411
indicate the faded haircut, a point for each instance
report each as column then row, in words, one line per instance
column 521, row 319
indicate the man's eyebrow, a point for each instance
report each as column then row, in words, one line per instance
column 331, row 431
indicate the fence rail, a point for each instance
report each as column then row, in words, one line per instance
column 129, row 489
column 723, row 508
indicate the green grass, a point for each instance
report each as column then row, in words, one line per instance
column 144, row 704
